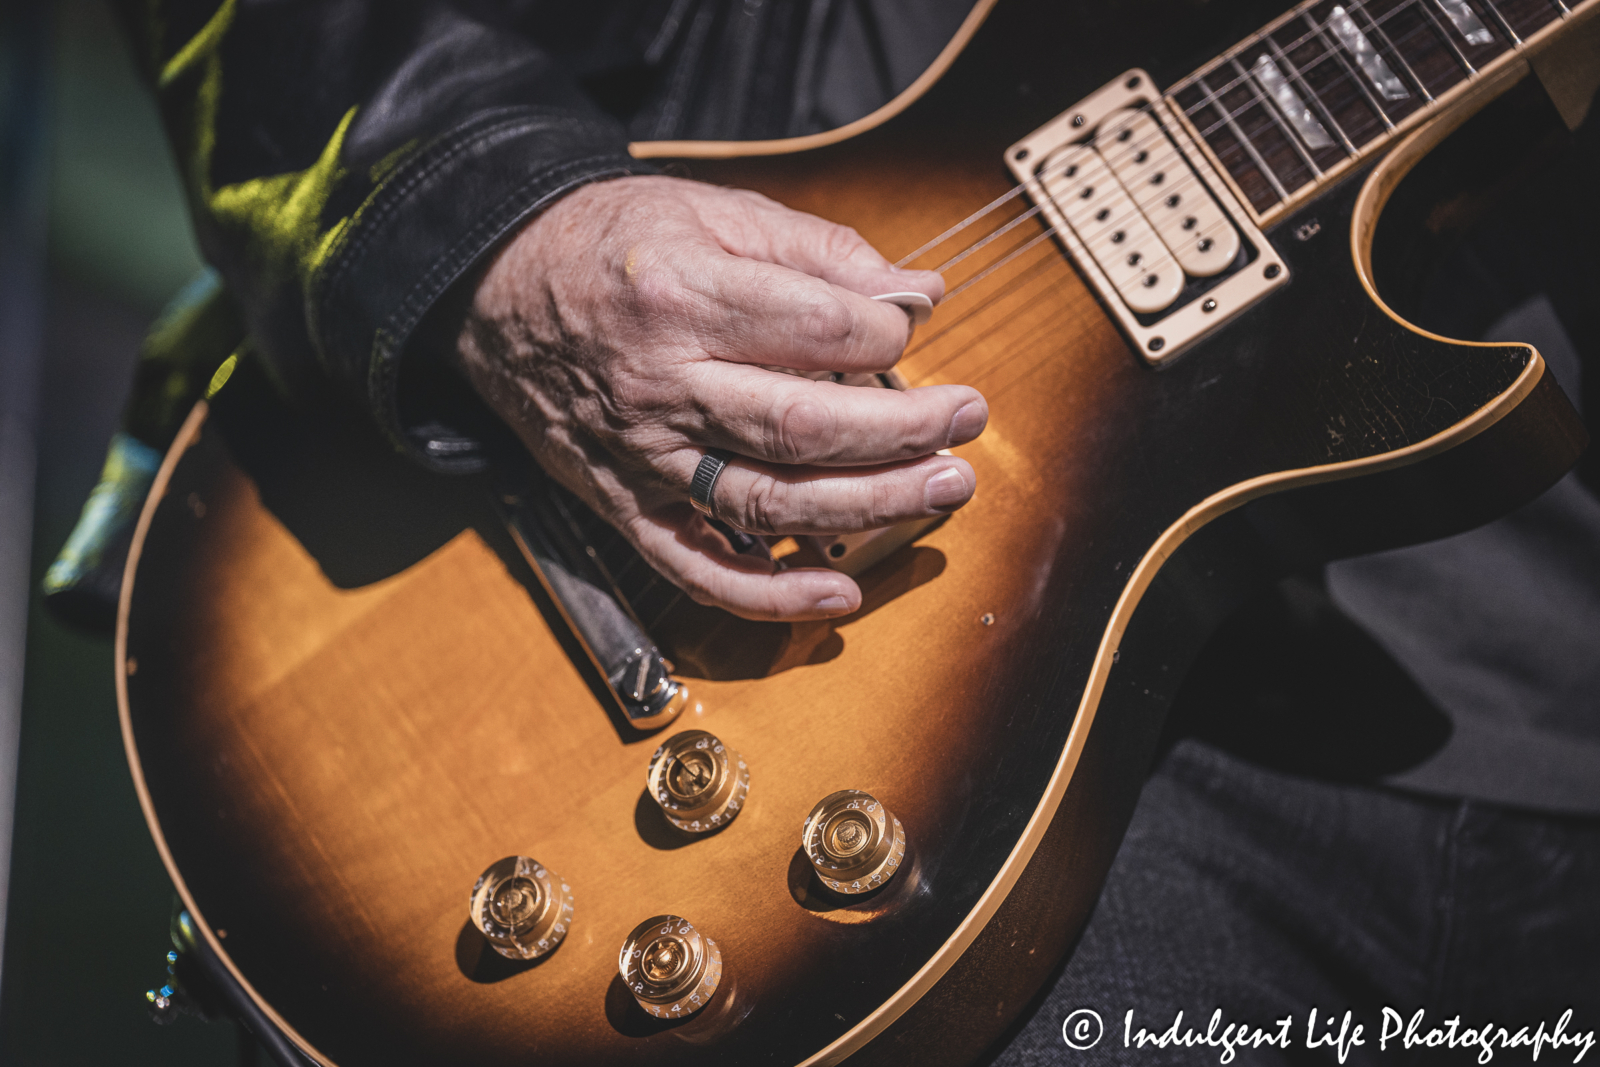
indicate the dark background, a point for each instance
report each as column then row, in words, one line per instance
column 89, row 902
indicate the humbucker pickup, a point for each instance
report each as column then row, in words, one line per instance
column 1145, row 217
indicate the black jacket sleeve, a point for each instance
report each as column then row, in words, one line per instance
column 347, row 160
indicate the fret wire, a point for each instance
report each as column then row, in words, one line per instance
column 1511, row 34
column 1383, row 36
column 1304, row 9
column 1355, row 76
column 1461, row 57
column 1392, row 45
column 1212, row 98
column 1250, row 149
column 1356, row 5
column 1316, row 101
column 1280, row 121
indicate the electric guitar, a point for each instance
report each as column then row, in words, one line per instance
column 443, row 778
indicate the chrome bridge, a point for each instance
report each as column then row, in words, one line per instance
column 1145, row 217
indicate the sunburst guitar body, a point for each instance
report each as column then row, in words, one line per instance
column 347, row 690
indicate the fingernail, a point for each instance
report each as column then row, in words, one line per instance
column 946, row 489
column 833, row 605
column 968, row 421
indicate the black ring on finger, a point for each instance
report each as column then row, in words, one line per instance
column 704, row 483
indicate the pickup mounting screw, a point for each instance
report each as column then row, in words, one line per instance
column 1209, row 305
column 1077, row 120
column 1132, row 83
column 1156, row 344
column 1022, row 153
column 1272, row 271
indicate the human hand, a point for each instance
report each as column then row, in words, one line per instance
column 624, row 331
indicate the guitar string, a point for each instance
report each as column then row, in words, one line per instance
column 1089, row 237
column 1003, row 199
column 1395, row 46
column 1107, row 222
column 1226, row 116
column 1037, row 178
column 1023, row 187
column 1327, row 53
column 1102, row 135
column 1215, row 93
column 655, row 578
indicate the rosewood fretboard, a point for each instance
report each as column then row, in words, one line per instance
column 1330, row 81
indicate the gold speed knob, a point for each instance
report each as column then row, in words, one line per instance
column 854, row 843
column 523, row 908
column 670, row 967
column 699, row 782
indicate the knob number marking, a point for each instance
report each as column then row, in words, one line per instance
column 698, row 782
column 854, row 843
column 671, row 969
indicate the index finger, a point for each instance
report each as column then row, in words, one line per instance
column 758, row 227
column 763, row 313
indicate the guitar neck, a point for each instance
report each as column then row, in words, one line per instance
column 1330, row 83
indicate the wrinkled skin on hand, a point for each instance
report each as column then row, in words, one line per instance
column 624, row 331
